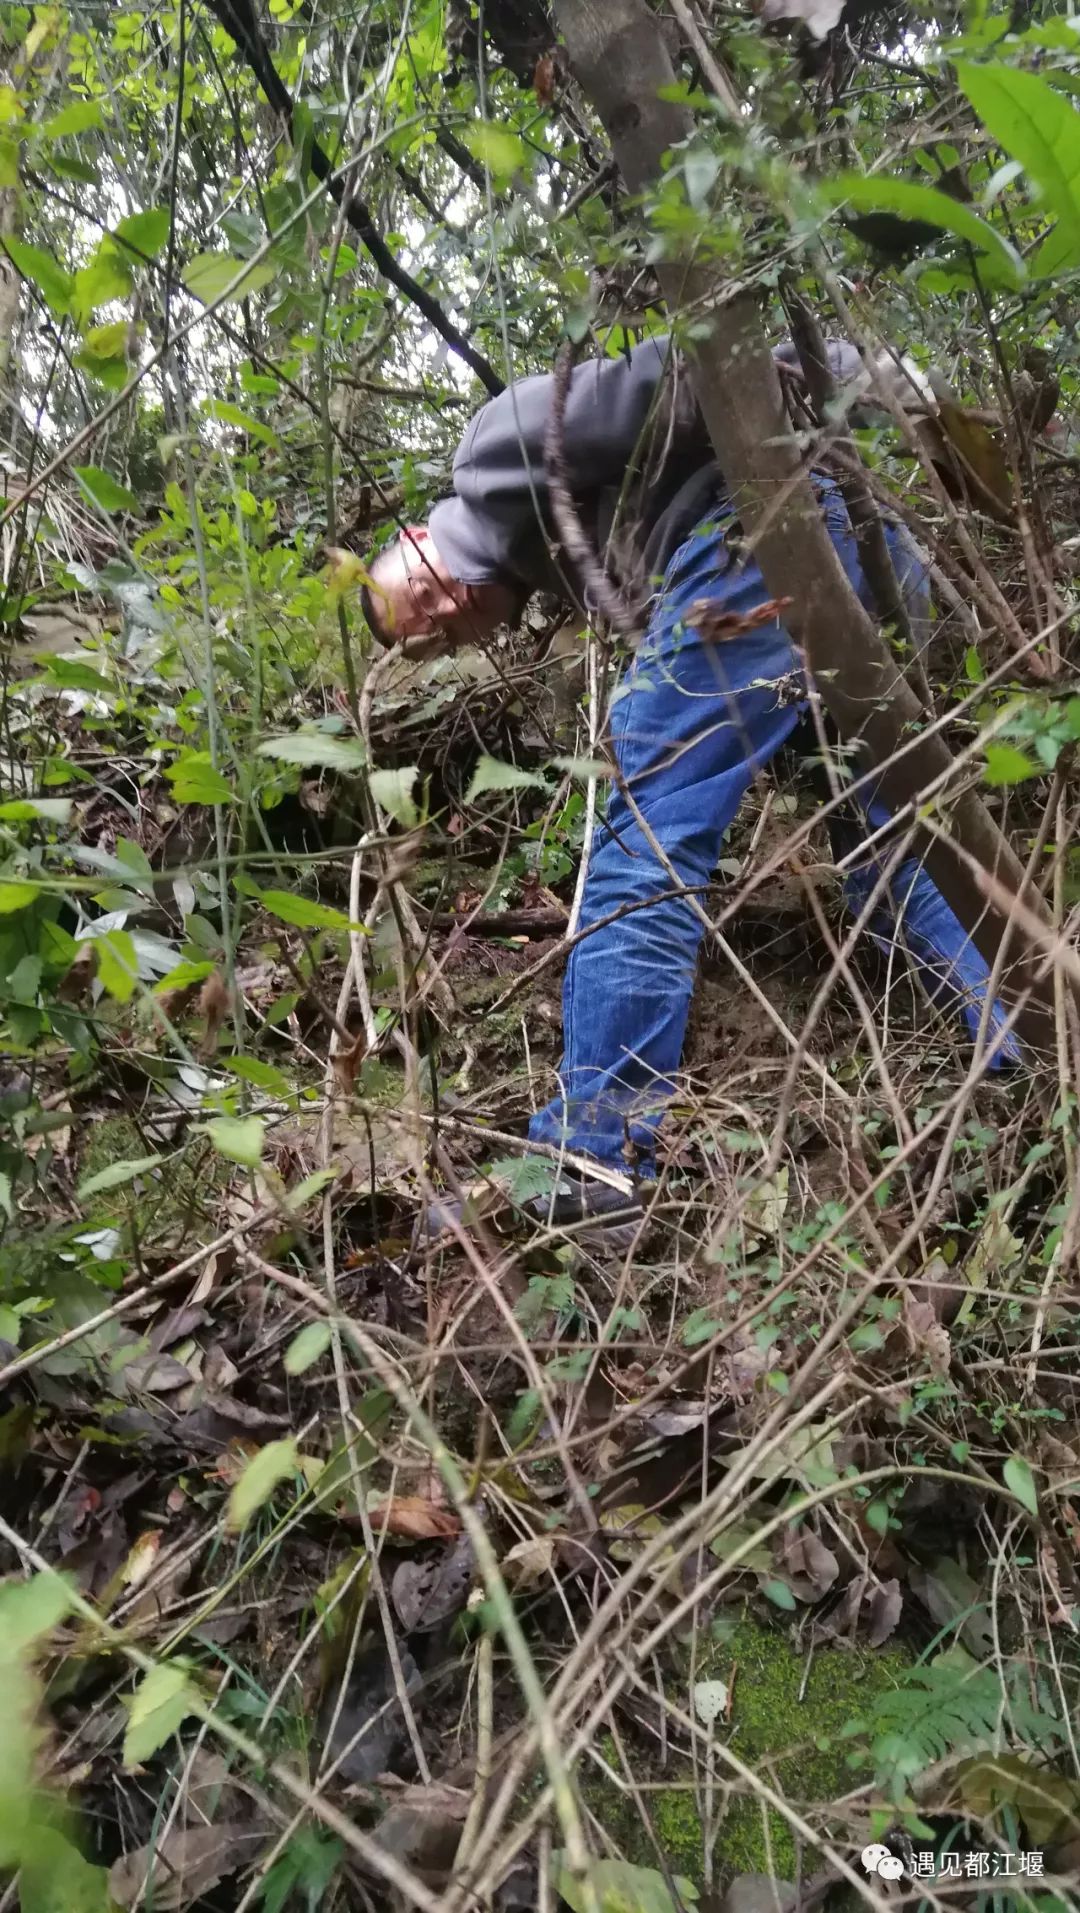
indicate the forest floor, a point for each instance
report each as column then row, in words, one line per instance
column 761, row 1529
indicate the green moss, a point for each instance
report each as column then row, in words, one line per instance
column 787, row 1734
column 178, row 1191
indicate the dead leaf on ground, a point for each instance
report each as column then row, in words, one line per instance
column 810, row 1567
column 142, row 1558
column 981, row 456
column 422, row 1828
column 426, row 1593
column 214, row 1005
column 948, row 1592
column 184, row 1866
column 886, row 1606
column 414, row 1519
column 925, row 1333
column 529, row 1561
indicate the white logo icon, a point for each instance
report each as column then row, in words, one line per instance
column 877, row 1859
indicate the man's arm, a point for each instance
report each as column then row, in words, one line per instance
column 499, row 480
column 493, row 519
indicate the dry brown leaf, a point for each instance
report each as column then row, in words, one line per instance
column 811, row 1567
column 981, row 456
column 529, row 1561
column 414, row 1519
column 347, row 1062
column 186, row 1864
column 926, row 1334
column 214, row 1005
column 886, row 1605
column 142, row 1558
column 426, row 1593
column 544, row 79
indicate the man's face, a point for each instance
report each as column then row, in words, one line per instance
column 419, row 603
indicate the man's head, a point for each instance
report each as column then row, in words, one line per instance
column 414, row 596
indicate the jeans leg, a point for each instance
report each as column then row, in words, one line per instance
column 690, row 730
column 952, row 966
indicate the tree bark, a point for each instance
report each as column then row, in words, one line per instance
column 618, row 56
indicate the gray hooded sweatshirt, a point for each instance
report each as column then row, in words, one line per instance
column 640, row 465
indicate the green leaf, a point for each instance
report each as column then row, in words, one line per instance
column 238, row 1137
column 43, row 271
column 264, row 1472
column 117, row 964
column 16, row 896
column 195, row 781
column 252, row 1069
column 229, row 414
column 392, row 791
column 31, row 1609
column 302, row 912
column 298, row 1198
column 305, row 1349
column 1021, row 1482
column 499, row 148
column 778, row 1593
column 878, row 192
column 79, row 117
column 72, row 675
column 315, row 749
column 1006, row 765
column 211, row 275
column 162, row 1701
column 523, row 1177
column 619, row 1887
column 147, row 232
column 20, row 810
column 1038, row 127
column 115, row 1176
column 491, row 774
column 102, row 489
column 106, row 277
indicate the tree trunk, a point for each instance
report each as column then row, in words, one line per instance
column 619, row 58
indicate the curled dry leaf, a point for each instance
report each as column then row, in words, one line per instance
column 414, row 1519
column 426, row 1593
column 885, row 1605
column 810, row 1567
column 184, row 1866
column 926, row 1335
column 422, row 1828
column 214, row 1005
column 529, row 1561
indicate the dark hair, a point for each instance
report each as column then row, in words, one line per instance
column 371, row 616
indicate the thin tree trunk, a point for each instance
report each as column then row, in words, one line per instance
column 619, row 58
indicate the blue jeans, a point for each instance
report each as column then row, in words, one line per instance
column 690, row 727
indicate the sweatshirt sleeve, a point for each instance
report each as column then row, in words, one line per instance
column 498, row 506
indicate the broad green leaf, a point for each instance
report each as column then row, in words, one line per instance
column 56, row 1878
column 619, row 1887
column 252, row 1069
column 238, row 1137
column 43, row 271
column 79, row 117
column 298, row 1198
column 264, row 1472
column 1021, row 1482
column 195, row 781
column 778, row 1593
column 106, row 277
column 1039, row 127
column 117, row 964
column 115, row 1175
column 212, row 274
column 879, row 192
column 499, row 148
column 102, row 489
column 305, row 1349
column 491, row 774
column 302, row 912
column 72, row 675
column 183, row 976
column 1006, row 765
column 147, row 232
column 228, row 414
column 16, row 896
column 162, row 1701
column 20, row 810
column 524, row 1177
column 392, row 791
column 316, row 750
column 31, row 1609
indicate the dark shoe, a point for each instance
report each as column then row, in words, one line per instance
column 614, row 1217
